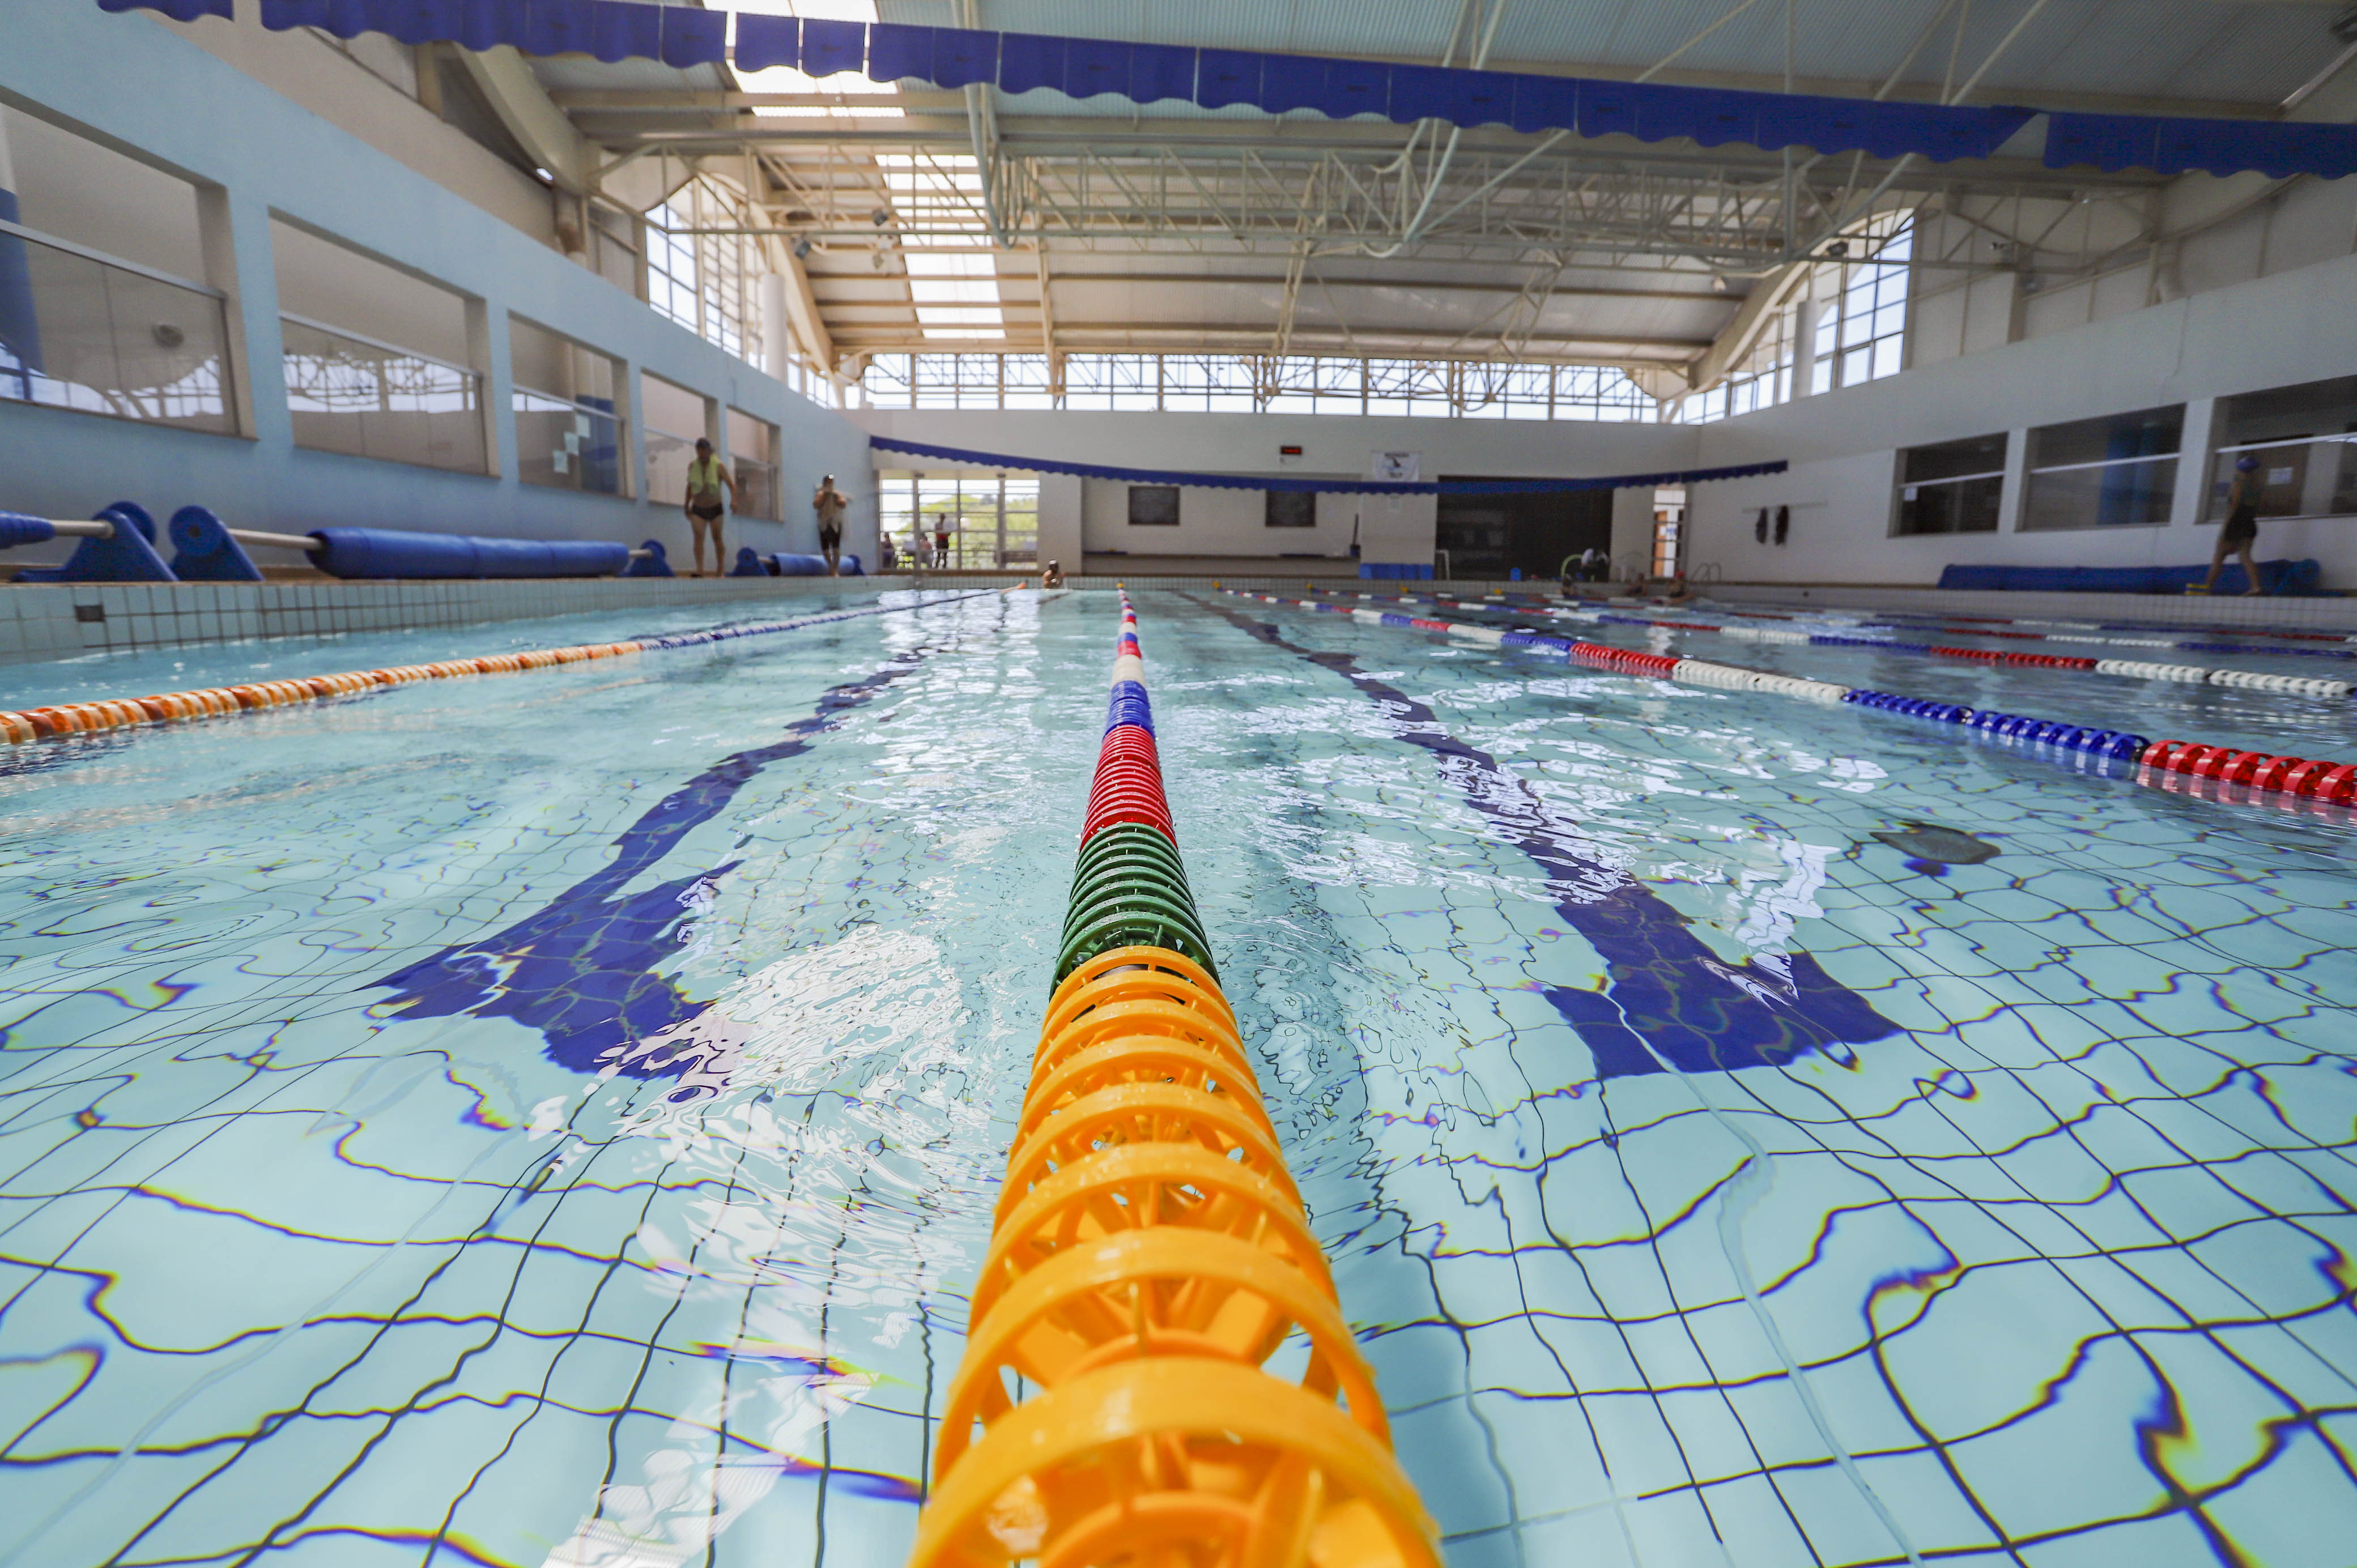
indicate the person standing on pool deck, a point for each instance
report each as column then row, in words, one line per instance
column 707, row 475
column 2242, row 530
column 829, row 502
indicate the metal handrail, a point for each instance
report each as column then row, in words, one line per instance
column 2107, row 463
column 1961, row 478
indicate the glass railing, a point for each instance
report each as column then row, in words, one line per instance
column 353, row 395
column 2307, row 476
column 85, row 331
column 570, row 444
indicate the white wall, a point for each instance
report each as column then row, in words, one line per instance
column 2278, row 330
column 1215, row 522
column 1228, row 523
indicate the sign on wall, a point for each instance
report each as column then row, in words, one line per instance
column 1395, row 467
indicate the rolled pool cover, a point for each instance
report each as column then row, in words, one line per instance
column 395, row 552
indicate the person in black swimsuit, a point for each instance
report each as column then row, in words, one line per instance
column 829, row 503
column 2242, row 530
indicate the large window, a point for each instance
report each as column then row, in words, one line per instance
column 1952, row 487
column 700, row 265
column 1255, row 383
column 2305, row 441
column 753, row 453
column 1861, row 333
column 375, row 359
column 992, row 521
column 2119, row 471
column 98, row 308
column 84, row 331
column 348, row 395
column 571, row 433
column 1862, row 324
column 1762, row 380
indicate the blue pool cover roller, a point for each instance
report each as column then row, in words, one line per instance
column 389, row 553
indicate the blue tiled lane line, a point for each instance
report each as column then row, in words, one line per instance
column 1670, row 999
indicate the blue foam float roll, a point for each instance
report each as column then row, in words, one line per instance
column 800, row 565
column 391, row 553
column 15, row 528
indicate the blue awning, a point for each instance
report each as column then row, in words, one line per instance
column 1280, row 84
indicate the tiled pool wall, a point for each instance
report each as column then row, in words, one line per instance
column 64, row 620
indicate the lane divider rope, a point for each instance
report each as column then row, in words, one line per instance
column 2289, row 685
column 1979, row 625
column 61, row 720
column 1149, row 1257
column 2292, row 779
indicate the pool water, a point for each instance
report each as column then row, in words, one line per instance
column 554, row 1119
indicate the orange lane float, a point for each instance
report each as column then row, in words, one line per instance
column 1148, row 1257
column 64, row 719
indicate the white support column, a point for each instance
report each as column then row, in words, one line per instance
column 776, row 327
column 486, row 356
column 634, row 457
column 233, row 228
column 2013, row 498
column 1804, row 342
column 2193, row 453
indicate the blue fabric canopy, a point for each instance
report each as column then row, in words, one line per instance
column 1279, row 83
column 1332, row 487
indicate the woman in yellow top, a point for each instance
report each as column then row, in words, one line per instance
column 707, row 477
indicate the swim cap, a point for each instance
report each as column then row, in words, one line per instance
column 2246, row 465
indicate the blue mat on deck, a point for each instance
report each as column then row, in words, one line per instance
column 2291, row 577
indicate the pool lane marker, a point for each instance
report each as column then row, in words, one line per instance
column 60, row 720
column 2166, row 763
column 1150, row 1254
column 2289, row 685
column 1900, row 620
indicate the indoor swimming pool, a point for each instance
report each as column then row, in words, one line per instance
column 556, row 1119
